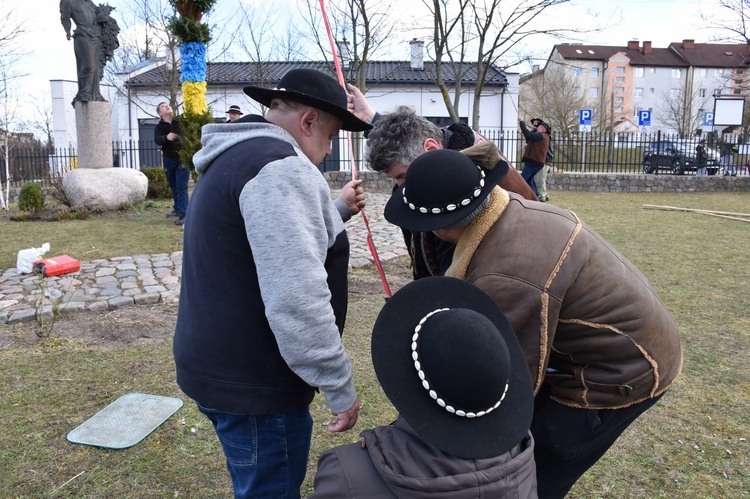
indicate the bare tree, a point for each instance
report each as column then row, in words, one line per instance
column 556, row 97
column 368, row 27
column 41, row 122
column 730, row 22
column 679, row 110
column 144, row 36
column 488, row 35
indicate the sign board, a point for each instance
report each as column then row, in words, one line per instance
column 708, row 119
column 728, row 111
column 644, row 117
column 584, row 120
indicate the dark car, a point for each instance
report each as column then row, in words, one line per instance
column 675, row 157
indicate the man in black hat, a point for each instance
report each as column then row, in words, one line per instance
column 535, row 154
column 600, row 345
column 234, row 113
column 447, row 358
column 264, row 284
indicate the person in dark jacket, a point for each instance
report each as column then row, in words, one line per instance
column 701, row 158
column 600, row 345
column 264, row 284
column 396, row 140
column 535, row 154
column 447, row 358
column 167, row 135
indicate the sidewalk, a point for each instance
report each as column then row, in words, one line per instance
column 150, row 279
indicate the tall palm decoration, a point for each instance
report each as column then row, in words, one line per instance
column 193, row 37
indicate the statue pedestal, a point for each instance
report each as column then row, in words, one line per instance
column 94, row 135
column 95, row 183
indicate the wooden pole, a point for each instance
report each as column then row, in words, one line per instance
column 706, row 212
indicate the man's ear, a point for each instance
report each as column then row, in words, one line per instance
column 307, row 121
column 431, row 145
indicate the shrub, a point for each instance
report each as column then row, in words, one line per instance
column 125, row 206
column 30, row 198
column 158, row 188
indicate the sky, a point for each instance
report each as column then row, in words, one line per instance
column 50, row 55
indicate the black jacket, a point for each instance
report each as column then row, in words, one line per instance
column 169, row 148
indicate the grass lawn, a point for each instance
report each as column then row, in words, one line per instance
column 693, row 443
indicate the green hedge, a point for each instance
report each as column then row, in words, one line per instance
column 158, row 188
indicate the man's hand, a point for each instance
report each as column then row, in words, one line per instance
column 345, row 420
column 68, row 35
column 357, row 104
column 172, row 136
column 354, row 195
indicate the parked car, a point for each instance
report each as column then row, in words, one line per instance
column 676, row 157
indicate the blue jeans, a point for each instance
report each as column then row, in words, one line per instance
column 528, row 173
column 266, row 454
column 177, row 178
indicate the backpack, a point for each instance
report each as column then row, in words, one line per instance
column 550, row 151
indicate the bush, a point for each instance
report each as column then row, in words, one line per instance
column 30, row 198
column 158, row 188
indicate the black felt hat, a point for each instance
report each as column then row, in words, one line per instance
column 441, row 187
column 449, row 361
column 235, row 109
column 312, row 88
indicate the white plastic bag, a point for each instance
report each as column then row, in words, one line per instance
column 27, row 257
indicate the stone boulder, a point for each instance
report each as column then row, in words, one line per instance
column 104, row 187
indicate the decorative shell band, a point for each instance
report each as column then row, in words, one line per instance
column 426, row 384
column 452, row 206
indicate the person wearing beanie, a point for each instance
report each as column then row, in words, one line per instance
column 600, row 345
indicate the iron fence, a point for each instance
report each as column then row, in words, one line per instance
column 587, row 153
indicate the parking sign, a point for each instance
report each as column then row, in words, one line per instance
column 708, row 119
column 584, row 120
column 644, row 117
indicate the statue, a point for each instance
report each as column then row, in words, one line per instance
column 94, row 42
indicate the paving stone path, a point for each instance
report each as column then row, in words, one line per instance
column 108, row 284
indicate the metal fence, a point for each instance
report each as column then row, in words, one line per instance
column 588, row 153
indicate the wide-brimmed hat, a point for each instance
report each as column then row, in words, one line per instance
column 234, row 109
column 441, row 187
column 449, row 362
column 312, row 88
column 542, row 122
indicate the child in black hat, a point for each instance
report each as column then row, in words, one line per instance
column 447, row 358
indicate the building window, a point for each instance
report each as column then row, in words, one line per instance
column 618, row 109
column 704, row 72
column 739, row 71
column 737, row 91
column 738, row 82
column 594, row 72
column 719, row 72
column 674, row 92
column 639, row 72
column 576, row 72
column 701, row 92
column 594, row 92
column 652, row 70
column 676, row 73
column 619, row 100
column 620, row 69
column 620, row 79
column 576, row 91
column 651, row 90
column 619, row 90
column 718, row 91
column 638, row 92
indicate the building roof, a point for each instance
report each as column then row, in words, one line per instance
column 712, row 55
column 252, row 73
column 638, row 56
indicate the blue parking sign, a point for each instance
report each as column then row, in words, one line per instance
column 708, row 119
column 584, row 117
column 644, row 117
